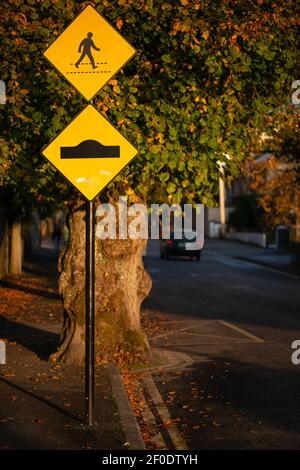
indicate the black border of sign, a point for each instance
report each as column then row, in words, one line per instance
column 75, row 117
column 110, row 78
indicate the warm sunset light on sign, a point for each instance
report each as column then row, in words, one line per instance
column 90, row 152
column 89, row 52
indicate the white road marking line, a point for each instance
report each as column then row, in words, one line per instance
column 241, row 286
column 206, row 343
column 214, row 336
column 193, row 333
column 175, row 436
column 256, row 339
column 233, row 263
column 156, row 436
column 163, row 335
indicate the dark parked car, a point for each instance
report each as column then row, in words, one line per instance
column 179, row 247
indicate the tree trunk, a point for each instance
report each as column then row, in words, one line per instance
column 4, row 254
column 121, row 284
column 15, row 265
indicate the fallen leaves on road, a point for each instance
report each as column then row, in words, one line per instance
column 169, row 423
column 155, row 324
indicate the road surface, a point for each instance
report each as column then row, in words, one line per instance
column 237, row 321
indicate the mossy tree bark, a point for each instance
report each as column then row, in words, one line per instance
column 121, row 284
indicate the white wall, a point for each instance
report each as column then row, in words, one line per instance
column 255, row 238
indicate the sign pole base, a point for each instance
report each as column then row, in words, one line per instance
column 90, row 315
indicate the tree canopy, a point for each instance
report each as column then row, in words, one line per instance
column 275, row 175
column 205, row 74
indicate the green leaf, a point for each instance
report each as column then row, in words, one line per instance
column 203, row 138
column 164, row 177
column 155, row 149
column 171, row 188
column 166, row 58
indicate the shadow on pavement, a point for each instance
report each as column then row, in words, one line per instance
column 242, row 406
column 269, row 394
column 41, row 399
column 41, row 342
column 29, row 290
column 15, row 439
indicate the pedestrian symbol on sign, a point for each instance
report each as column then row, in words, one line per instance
column 85, row 46
column 89, row 52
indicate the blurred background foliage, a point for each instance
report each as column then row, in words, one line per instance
column 209, row 77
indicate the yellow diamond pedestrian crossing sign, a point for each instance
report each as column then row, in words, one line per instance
column 90, row 152
column 89, row 52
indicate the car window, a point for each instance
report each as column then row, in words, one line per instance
column 181, row 236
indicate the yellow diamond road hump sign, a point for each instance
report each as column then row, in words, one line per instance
column 89, row 52
column 90, row 152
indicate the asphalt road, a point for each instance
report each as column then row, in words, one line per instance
column 237, row 321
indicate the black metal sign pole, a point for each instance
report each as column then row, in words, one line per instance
column 90, row 314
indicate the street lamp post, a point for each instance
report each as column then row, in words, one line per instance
column 222, row 198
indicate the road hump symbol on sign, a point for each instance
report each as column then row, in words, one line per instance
column 89, row 52
column 90, row 149
column 90, row 152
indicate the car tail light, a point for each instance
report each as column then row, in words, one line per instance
column 169, row 242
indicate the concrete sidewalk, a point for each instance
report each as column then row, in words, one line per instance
column 42, row 406
column 42, row 403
